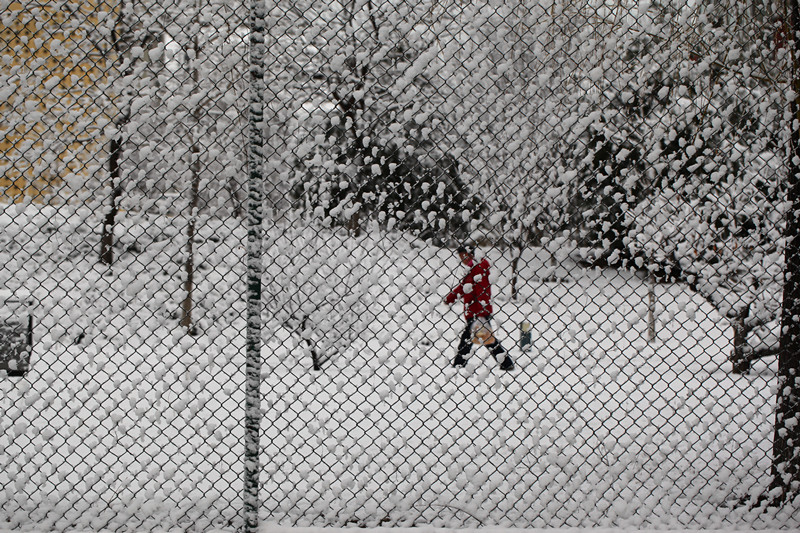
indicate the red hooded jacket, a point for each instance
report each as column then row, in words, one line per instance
column 475, row 290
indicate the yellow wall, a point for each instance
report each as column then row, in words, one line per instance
column 53, row 96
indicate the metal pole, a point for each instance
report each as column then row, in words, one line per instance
column 255, row 205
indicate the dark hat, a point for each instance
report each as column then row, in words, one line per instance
column 466, row 249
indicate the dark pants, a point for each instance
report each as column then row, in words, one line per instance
column 465, row 344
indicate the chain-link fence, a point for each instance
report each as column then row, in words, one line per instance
column 516, row 264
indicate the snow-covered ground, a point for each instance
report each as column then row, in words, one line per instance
column 126, row 423
column 271, row 527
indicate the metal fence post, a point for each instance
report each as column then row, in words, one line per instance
column 254, row 252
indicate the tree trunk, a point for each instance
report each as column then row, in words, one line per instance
column 188, row 284
column 121, row 33
column 651, row 309
column 316, row 364
column 786, row 442
column 107, row 236
column 194, row 204
column 233, row 192
column 739, row 360
column 354, row 224
column 741, row 357
column 515, row 272
column 125, row 37
column 191, row 230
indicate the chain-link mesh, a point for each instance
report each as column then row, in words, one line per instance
column 602, row 188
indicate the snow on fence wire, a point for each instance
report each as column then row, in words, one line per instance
column 204, row 355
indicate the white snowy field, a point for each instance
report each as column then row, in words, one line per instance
column 124, row 422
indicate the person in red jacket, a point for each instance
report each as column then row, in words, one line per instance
column 476, row 292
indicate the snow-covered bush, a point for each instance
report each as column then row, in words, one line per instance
column 317, row 285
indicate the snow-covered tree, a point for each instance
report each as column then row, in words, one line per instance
column 508, row 117
column 713, row 208
column 177, row 145
column 727, row 245
column 133, row 35
column 370, row 149
column 785, row 485
column 705, row 206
